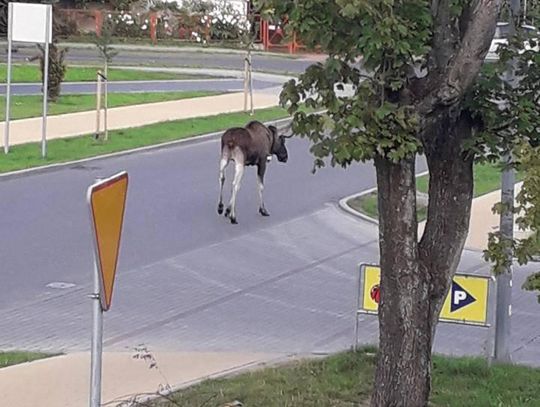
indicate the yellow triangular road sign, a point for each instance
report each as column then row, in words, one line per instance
column 107, row 201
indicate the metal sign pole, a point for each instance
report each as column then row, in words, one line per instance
column 97, row 342
column 106, row 200
column 358, row 304
column 8, row 85
column 45, row 85
column 492, row 305
column 504, row 280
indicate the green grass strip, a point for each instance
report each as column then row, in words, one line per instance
column 74, row 148
column 346, row 380
column 31, row 73
column 14, row 358
column 23, row 107
column 487, row 178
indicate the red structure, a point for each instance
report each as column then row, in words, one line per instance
column 271, row 36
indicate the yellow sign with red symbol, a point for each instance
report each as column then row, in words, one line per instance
column 466, row 302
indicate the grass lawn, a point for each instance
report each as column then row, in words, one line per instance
column 31, row 106
column 346, row 380
column 31, row 73
column 487, row 178
column 62, row 150
column 14, row 358
column 367, row 204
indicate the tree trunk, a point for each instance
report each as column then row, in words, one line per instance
column 402, row 376
column 416, row 277
column 450, row 199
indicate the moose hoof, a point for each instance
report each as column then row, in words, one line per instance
column 234, row 221
column 220, row 209
column 263, row 212
column 227, row 212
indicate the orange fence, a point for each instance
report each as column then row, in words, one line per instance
column 274, row 38
column 158, row 26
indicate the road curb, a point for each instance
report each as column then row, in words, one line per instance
column 187, row 141
column 343, row 202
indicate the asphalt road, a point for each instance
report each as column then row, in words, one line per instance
column 189, row 280
column 180, row 58
column 223, row 85
column 172, row 200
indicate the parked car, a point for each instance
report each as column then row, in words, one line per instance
column 501, row 37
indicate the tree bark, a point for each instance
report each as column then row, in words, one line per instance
column 403, row 369
column 450, row 200
column 417, row 275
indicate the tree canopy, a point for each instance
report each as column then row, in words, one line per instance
column 402, row 78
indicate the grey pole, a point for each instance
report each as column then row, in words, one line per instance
column 97, row 342
column 45, row 85
column 8, row 84
column 504, row 280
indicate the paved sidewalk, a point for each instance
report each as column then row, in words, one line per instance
column 83, row 123
column 484, row 221
column 64, row 381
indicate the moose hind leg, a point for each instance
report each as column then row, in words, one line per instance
column 262, row 209
column 238, row 174
column 222, row 165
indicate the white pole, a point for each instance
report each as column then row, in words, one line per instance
column 246, row 82
column 45, row 84
column 8, row 85
column 98, row 104
column 97, row 342
column 250, row 82
column 106, row 79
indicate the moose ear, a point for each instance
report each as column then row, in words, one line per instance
column 273, row 129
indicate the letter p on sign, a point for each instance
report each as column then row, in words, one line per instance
column 459, row 296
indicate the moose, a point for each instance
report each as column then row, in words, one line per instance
column 253, row 144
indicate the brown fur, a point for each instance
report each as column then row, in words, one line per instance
column 251, row 145
column 254, row 141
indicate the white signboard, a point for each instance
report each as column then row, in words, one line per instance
column 29, row 23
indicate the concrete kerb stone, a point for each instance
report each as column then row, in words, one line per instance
column 187, row 141
column 344, row 205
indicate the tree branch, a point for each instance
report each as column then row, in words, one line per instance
column 450, row 77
